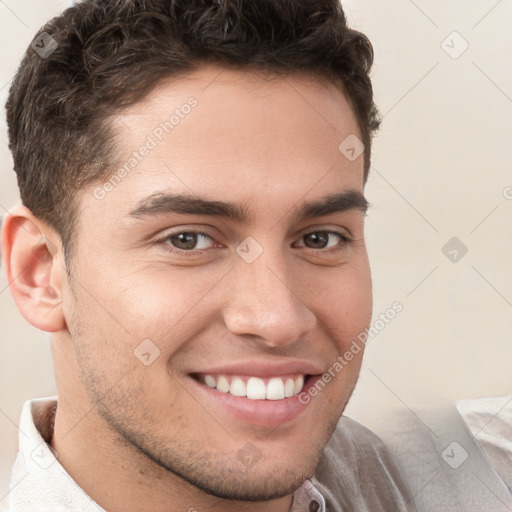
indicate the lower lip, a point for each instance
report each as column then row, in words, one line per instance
column 265, row 413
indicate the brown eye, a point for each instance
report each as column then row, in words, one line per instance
column 189, row 241
column 184, row 241
column 317, row 240
column 331, row 240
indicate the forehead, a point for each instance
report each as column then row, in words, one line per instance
column 247, row 87
column 222, row 132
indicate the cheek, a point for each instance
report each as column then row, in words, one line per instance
column 344, row 308
column 165, row 297
column 153, row 303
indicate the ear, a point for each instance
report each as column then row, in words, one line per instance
column 33, row 259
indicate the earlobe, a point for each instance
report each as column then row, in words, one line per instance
column 32, row 258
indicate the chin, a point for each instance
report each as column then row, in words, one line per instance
column 247, row 474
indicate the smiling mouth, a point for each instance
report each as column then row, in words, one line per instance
column 255, row 388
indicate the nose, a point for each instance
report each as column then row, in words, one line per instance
column 264, row 304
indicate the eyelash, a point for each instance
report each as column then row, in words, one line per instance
column 345, row 241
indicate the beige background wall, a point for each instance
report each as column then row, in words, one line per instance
column 442, row 168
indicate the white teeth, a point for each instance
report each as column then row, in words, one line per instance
column 299, row 382
column 288, row 388
column 210, row 381
column 255, row 388
column 222, row 384
column 275, row 389
column 238, row 387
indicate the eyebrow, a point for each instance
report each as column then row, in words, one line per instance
column 162, row 203
column 335, row 203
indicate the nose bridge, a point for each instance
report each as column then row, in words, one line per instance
column 263, row 303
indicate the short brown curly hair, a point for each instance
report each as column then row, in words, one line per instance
column 111, row 53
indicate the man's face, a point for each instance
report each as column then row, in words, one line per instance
column 254, row 278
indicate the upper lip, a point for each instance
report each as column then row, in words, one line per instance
column 261, row 368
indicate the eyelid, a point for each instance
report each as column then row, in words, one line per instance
column 197, row 229
column 325, row 228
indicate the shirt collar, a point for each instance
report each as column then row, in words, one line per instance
column 38, row 479
column 307, row 498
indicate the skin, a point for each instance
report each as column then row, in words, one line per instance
column 126, row 431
